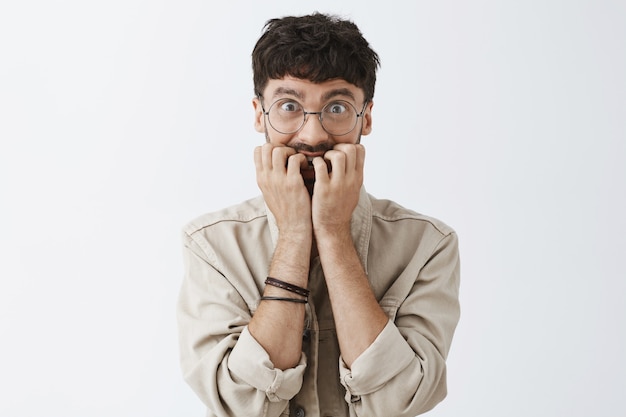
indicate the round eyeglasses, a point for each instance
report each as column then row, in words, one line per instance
column 337, row 118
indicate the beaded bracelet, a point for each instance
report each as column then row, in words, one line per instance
column 287, row 286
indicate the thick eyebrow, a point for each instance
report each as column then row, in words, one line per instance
column 284, row 91
column 338, row 92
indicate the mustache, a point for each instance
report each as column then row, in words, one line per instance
column 320, row 147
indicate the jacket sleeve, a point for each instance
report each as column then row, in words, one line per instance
column 221, row 361
column 413, row 346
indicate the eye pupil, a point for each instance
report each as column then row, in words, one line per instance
column 337, row 108
column 289, row 106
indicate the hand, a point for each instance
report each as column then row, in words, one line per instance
column 336, row 193
column 278, row 177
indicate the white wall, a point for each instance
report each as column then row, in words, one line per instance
column 121, row 120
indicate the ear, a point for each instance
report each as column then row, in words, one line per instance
column 367, row 119
column 259, row 117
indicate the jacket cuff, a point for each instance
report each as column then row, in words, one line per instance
column 366, row 375
column 251, row 363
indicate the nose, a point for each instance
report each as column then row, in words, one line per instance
column 312, row 131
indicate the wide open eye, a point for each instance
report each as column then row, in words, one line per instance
column 286, row 115
column 289, row 106
column 336, row 108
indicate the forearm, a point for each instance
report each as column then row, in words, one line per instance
column 224, row 364
column 358, row 317
column 278, row 325
column 423, row 303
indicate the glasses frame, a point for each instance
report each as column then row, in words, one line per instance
column 318, row 113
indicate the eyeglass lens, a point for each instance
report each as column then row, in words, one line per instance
column 288, row 116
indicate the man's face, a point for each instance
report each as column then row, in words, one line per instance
column 311, row 139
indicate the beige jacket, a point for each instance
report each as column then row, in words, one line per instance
column 412, row 263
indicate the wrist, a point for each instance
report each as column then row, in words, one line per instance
column 299, row 235
column 292, row 257
column 337, row 236
column 332, row 231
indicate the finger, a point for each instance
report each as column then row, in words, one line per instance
column 266, row 155
column 350, row 155
column 295, row 163
column 360, row 157
column 337, row 161
column 258, row 158
column 280, row 155
column 353, row 154
column 322, row 167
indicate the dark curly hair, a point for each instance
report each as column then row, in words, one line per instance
column 317, row 48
